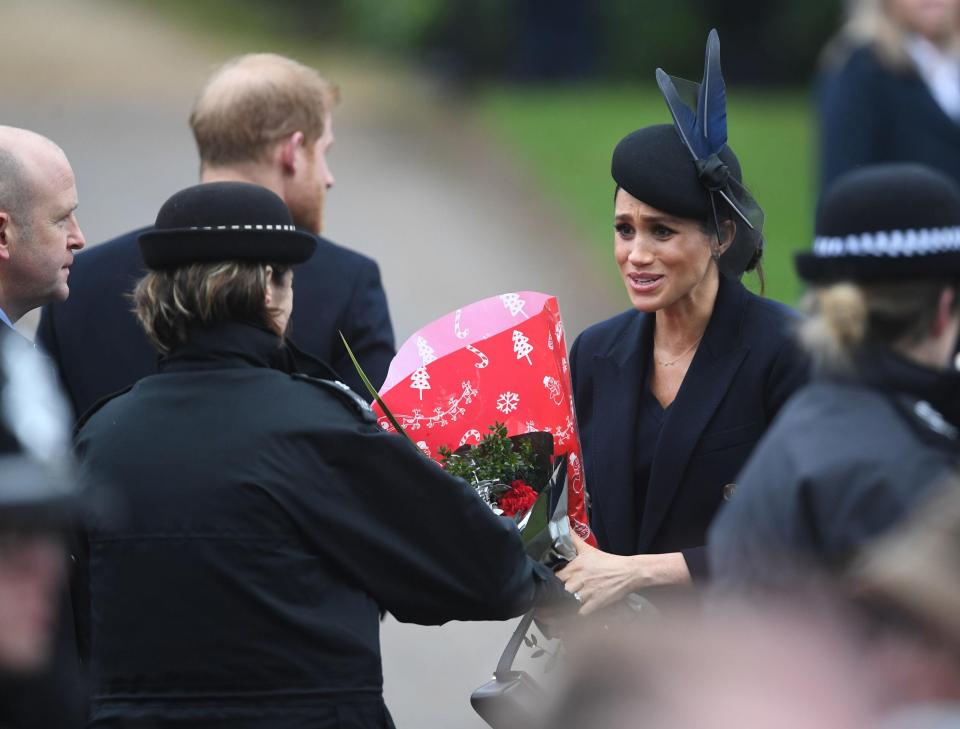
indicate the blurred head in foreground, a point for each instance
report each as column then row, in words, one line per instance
column 908, row 583
column 742, row 666
column 37, row 504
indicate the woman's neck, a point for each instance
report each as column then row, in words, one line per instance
column 684, row 321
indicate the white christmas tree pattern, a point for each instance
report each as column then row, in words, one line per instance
column 514, row 304
column 425, row 352
column 420, row 380
column 508, row 402
column 522, row 346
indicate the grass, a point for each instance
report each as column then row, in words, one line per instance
column 566, row 135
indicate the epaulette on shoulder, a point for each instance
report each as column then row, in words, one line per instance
column 95, row 408
column 343, row 393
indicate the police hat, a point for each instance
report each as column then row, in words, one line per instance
column 889, row 221
column 224, row 221
column 38, row 485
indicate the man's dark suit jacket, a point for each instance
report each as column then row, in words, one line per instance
column 745, row 368
column 100, row 348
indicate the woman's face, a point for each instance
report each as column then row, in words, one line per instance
column 662, row 258
column 280, row 298
column 936, row 20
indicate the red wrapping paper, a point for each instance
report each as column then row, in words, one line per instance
column 503, row 359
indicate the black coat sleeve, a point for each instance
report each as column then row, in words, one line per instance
column 366, row 325
column 419, row 541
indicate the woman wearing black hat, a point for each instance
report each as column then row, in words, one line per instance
column 672, row 396
column 877, row 428
column 267, row 519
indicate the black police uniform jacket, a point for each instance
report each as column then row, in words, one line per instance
column 100, row 348
column 745, row 368
column 261, row 522
column 849, row 457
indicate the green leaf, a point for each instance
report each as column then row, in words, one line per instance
column 372, row 390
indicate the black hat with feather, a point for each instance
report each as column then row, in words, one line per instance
column 687, row 169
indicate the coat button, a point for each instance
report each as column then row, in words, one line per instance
column 728, row 491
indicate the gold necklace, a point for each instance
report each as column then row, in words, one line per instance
column 672, row 362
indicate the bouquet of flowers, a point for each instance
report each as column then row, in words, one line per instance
column 497, row 367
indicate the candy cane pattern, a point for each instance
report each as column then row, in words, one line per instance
column 484, row 360
column 457, row 331
column 470, row 434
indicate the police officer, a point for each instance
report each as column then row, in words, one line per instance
column 852, row 452
column 268, row 519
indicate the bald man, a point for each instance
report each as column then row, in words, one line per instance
column 39, row 232
column 264, row 119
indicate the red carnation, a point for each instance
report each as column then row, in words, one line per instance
column 518, row 499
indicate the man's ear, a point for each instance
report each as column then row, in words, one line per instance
column 291, row 149
column 5, row 225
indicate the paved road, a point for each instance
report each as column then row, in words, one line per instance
column 419, row 187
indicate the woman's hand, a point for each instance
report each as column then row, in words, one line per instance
column 600, row 579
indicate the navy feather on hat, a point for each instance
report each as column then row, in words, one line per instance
column 224, row 221
column 889, row 221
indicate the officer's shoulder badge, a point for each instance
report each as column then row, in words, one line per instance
column 344, row 394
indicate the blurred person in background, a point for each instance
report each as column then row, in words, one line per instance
column 268, row 518
column 39, row 681
column 890, row 88
column 672, row 395
column 264, row 119
column 908, row 585
column 854, row 451
column 39, row 233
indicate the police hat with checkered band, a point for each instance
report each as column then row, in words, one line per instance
column 886, row 222
column 224, row 221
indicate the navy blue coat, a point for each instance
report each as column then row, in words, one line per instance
column 745, row 368
column 870, row 113
column 100, row 348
